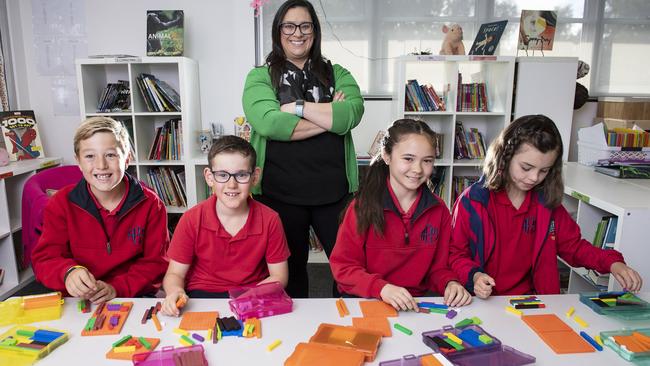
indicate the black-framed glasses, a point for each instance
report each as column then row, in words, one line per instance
column 222, row 176
column 289, row 29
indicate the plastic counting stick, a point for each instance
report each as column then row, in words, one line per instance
column 273, row 345
column 570, row 312
column 124, row 349
column 579, row 320
column 402, row 329
column 591, row 341
column 181, row 332
column 514, row 311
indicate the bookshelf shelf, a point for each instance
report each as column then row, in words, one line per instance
column 180, row 74
column 441, row 72
column 590, row 196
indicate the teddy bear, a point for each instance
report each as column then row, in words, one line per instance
column 453, row 42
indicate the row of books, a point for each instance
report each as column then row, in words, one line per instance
column 423, row 98
column 116, row 97
column 471, row 97
column 605, row 232
column 128, row 126
column 460, row 183
column 168, row 143
column 470, row 144
column 600, row 281
column 158, row 96
column 169, row 184
column 438, row 180
column 627, row 137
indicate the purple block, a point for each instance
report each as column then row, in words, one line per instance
column 451, row 314
column 198, row 337
column 113, row 307
column 115, row 320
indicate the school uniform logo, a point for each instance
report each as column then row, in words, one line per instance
column 551, row 230
column 529, row 224
column 429, row 234
column 136, row 235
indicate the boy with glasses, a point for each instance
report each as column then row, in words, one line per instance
column 229, row 240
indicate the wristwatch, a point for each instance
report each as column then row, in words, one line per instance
column 300, row 108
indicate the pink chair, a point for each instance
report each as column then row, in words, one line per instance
column 35, row 196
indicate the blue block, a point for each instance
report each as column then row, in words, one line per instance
column 470, row 336
column 432, row 305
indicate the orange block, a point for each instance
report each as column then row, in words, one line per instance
column 199, row 320
column 377, row 308
column 429, row 360
column 631, row 343
column 557, row 334
column 315, row 354
column 376, row 323
column 128, row 355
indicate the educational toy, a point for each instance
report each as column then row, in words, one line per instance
column 29, row 309
column 105, row 321
column 366, row 341
column 170, row 356
column 631, row 344
column 377, row 308
column 263, row 300
column 619, row 304
column 374, row 323
column 198, row 320
column 316, row 354
column 23, row 345
column 471, row 345
column 132, row 345
column 428, row 359
column 557, row 334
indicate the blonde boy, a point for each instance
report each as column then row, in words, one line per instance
column 229, row 240
column 105, row 236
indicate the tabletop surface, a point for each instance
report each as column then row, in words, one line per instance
column 299, row 325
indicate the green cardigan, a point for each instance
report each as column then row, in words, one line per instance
column 262, row 111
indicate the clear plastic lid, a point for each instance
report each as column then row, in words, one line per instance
column 619, row 304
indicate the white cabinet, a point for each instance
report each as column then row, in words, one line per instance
column 12, row 180
column 497, row 72
column 546, row 85
column 588, row 197
column 182, row 75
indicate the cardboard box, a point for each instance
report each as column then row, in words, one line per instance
column 612, row 123
column 624, row 108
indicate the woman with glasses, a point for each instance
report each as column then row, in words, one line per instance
column 302, row 110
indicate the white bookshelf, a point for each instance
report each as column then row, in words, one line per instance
column 588, row 197
column 12, row 181
column 498, row 74
column 182, row 74
column 546, row 85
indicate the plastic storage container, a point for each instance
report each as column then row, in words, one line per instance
column 366, row 341
column 589, row 154
column 167, row 356
column 619, row 304
column 267, row 299
column 29, row 309
column 316, row 354
column 475, row 352
column 641, row 357
column 12, row 353
column 412, row 360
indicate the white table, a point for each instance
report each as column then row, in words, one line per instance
column 301, row 324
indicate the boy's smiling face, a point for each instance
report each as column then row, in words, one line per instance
column 102, row 162
column 232, row 194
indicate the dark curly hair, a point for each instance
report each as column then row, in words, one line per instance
column 538, row 131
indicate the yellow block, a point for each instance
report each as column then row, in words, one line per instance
column 185, row 343
column 180, row 331
column 453, row 337
column 580, row 321
column 124, row 349
column 273, row 345
column 599, row 340
column 570, row 312
column 514, row 311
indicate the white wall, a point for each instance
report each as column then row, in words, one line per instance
column 219, row 35
column 377, row 116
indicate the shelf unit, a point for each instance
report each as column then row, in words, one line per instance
column 498, row 74
column 589, row 196
column 12, row 181
column 182, row 74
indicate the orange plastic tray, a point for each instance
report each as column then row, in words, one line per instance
column 366, row 341
column 198, row 320
column 315, row 354
column 377, row 308
column 376, row 323
column 557, row 334
column 106, row 330
column 128, row 355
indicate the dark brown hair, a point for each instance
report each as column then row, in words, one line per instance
column 231, row 144
column 538, row 131
column 276, row 58
column 369, row 200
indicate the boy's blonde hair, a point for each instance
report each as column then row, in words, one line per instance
column 93, row 125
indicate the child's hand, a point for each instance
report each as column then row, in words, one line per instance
column 81, row 283
column 105, row 292
column 626, row 276
column 483, row 285
column 398, row 297
column 456, row 295
column 169, row 305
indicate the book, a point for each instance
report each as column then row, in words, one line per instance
column 165, row 32
column 21, row 136
column 597, row 278
column 610, row 233
column 375, row 147
column 537, row 30
column 625, row 170
column 2, row 275
column 487, row 38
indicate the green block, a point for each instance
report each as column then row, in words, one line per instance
column 24, row 333
column 465, row 322
column 144, row 342
column 457, row 346
column 438, row 311
column 121, row 341
column 403, row 329
column 486, row 339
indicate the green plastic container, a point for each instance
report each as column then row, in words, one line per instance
column 622, row 305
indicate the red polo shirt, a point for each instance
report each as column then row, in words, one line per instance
column 219, row 261
column 511, row 263
column 109, row 218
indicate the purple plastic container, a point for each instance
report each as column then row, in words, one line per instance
column 264, row 300
column 490, row 354
column 408, row 360
column 165, row 356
